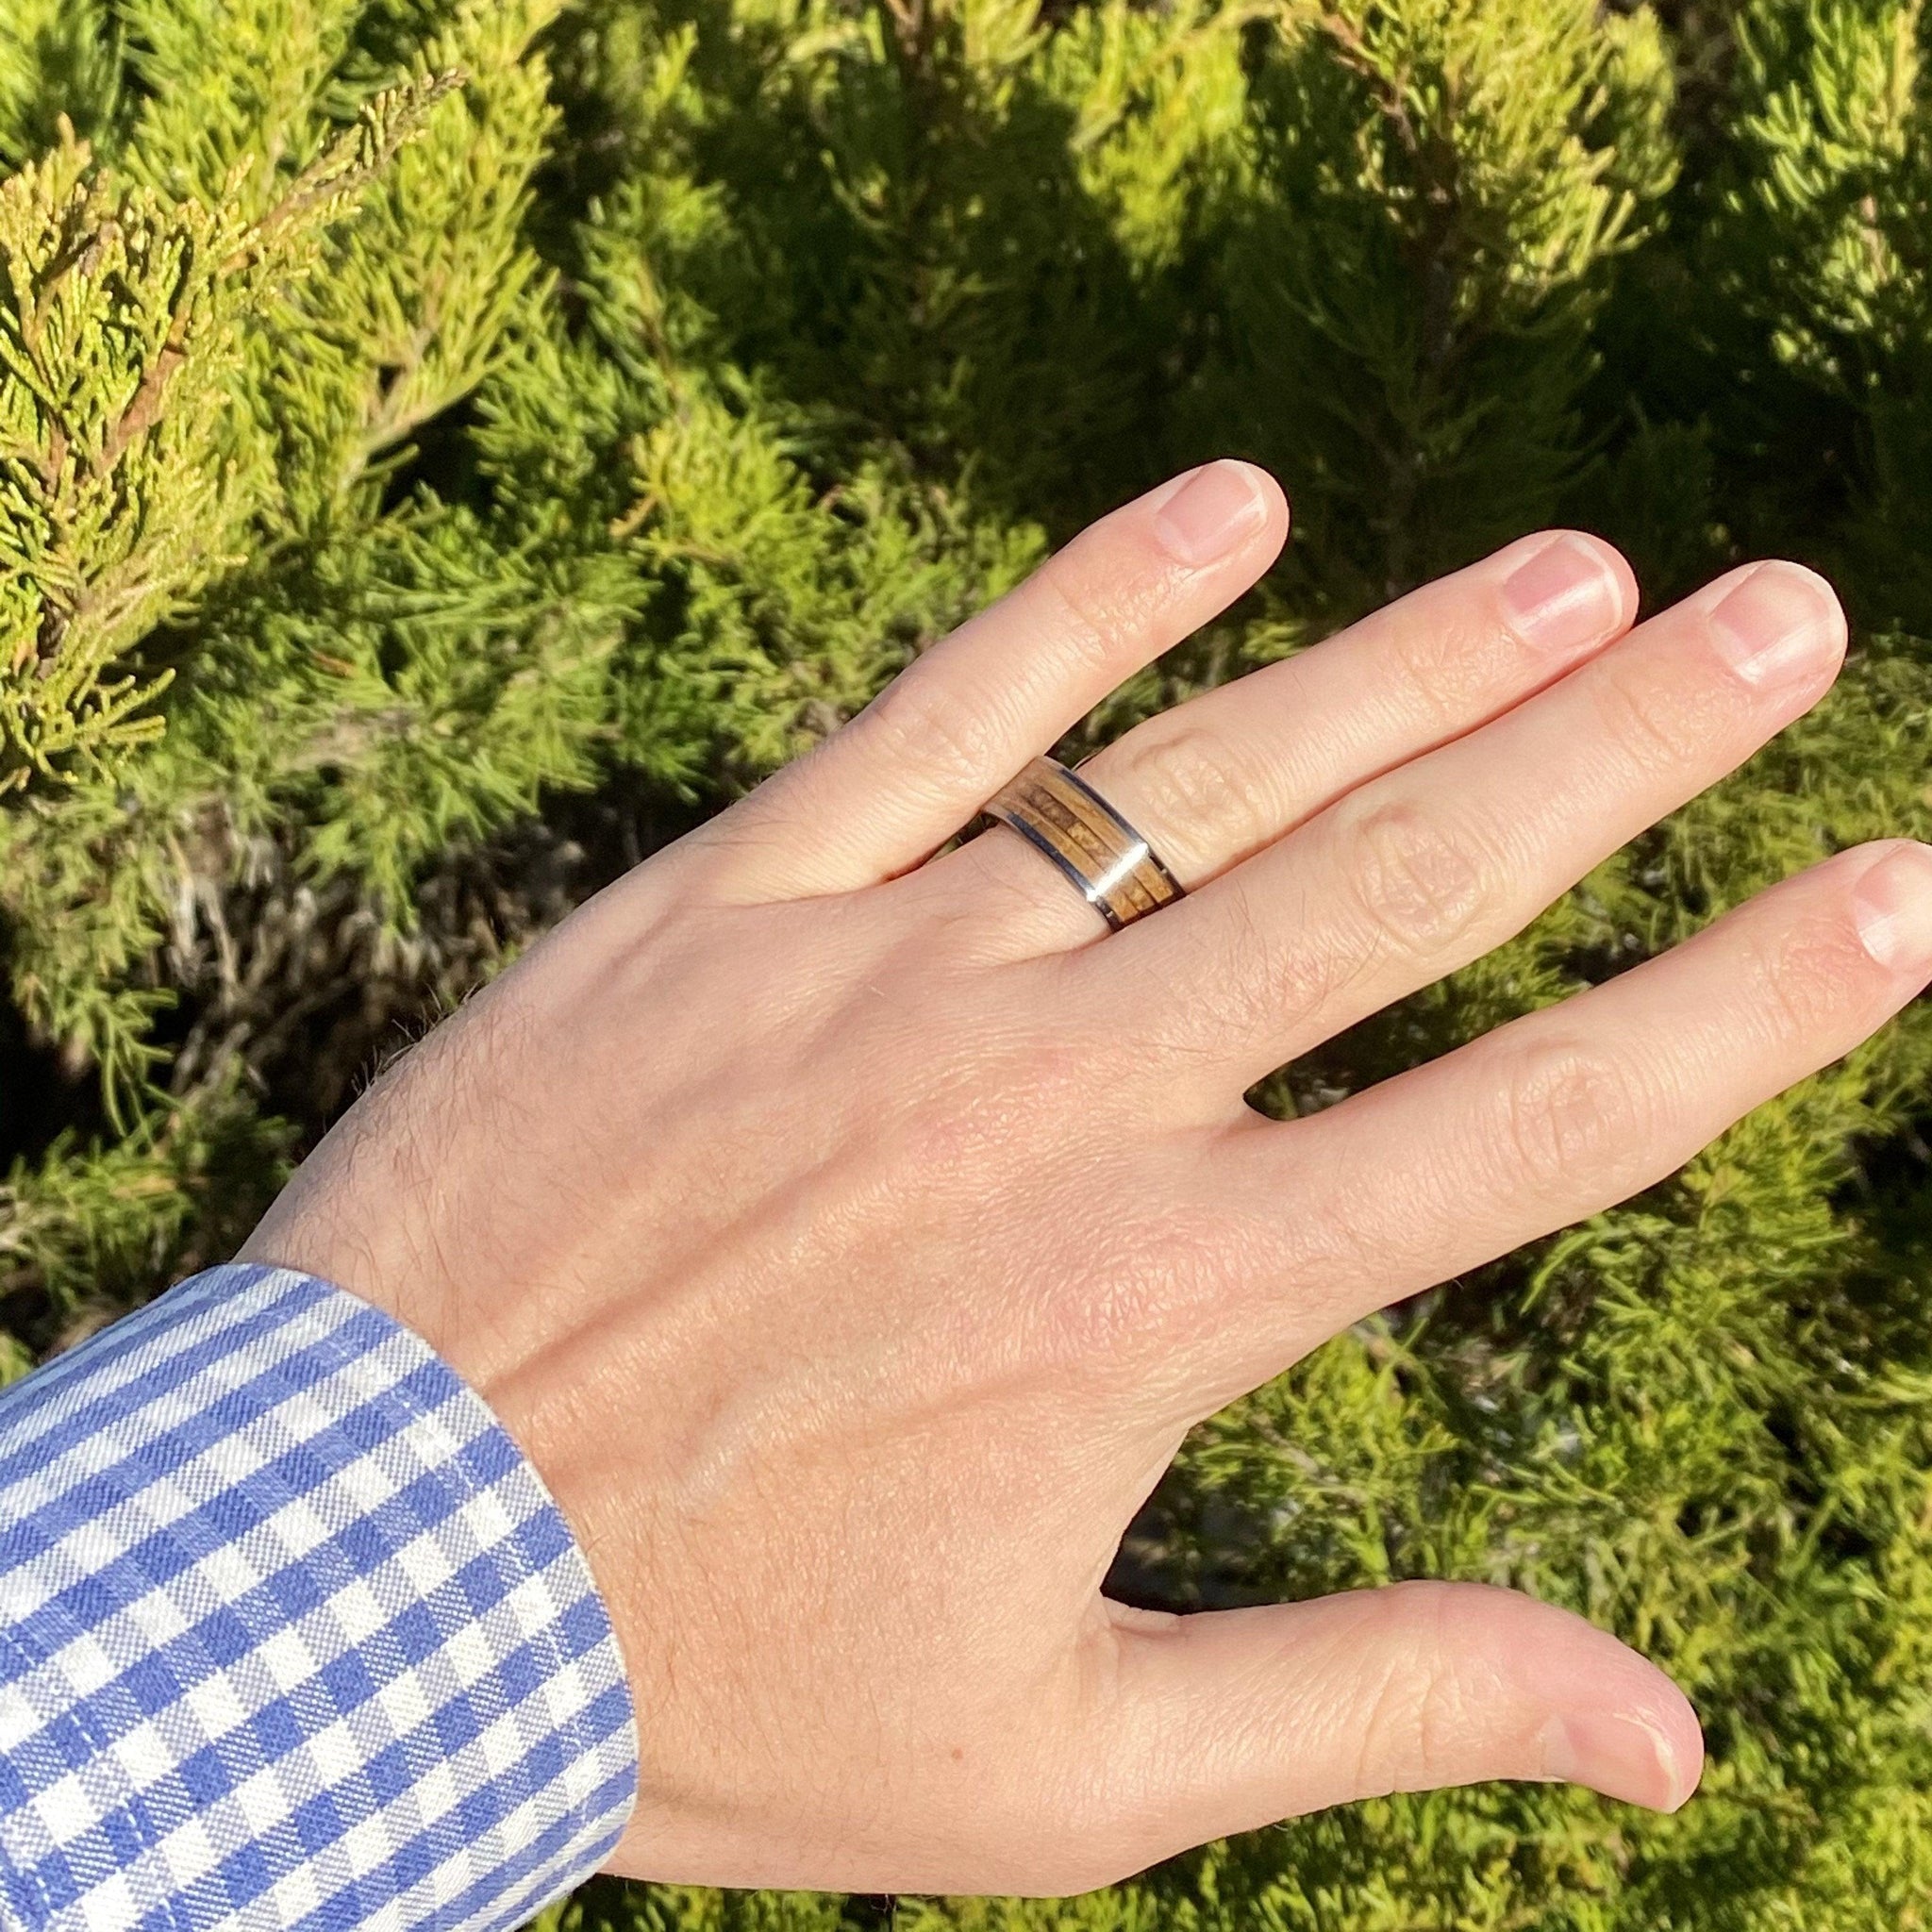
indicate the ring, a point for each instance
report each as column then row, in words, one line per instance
column 1059, row 813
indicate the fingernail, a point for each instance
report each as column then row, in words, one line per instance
column 1566, row 594
column 1782, row 622
column 1622, row 1757
column 1212, row 512
column 1892, row 904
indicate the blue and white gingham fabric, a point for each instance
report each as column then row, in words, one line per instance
column 292, row 1634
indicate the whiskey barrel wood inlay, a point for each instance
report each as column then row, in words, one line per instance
column 1058, row 813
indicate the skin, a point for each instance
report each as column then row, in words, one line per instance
column 850, row 1241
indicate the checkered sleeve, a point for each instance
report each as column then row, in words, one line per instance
column 292, row 1634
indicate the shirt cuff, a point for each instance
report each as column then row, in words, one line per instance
column 292, row 1634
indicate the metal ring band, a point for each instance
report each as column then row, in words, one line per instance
column 1115, row 868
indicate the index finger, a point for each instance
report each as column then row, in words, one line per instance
column 919, row 761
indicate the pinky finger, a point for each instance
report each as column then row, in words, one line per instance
column 1569, row 1109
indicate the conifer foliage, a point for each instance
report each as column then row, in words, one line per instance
column 449, row 446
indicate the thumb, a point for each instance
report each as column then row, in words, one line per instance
column 1229, row 1719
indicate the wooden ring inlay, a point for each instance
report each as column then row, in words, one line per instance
column 1058, row 813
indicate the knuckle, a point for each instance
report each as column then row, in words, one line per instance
column 925, row 730
column 1418, row 884
column 1099, row 1326
column 1444, row 665
column 1569, row 1109
column 1418, row 1711
column 1799, row 978
column 1101, row 589
column 1183, row 783
column 1658, row 720
column 1086, row 616
column 1149, row 1289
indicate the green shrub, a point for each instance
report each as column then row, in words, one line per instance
column 449, row 446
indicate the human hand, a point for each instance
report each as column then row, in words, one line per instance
column 852, row 1241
